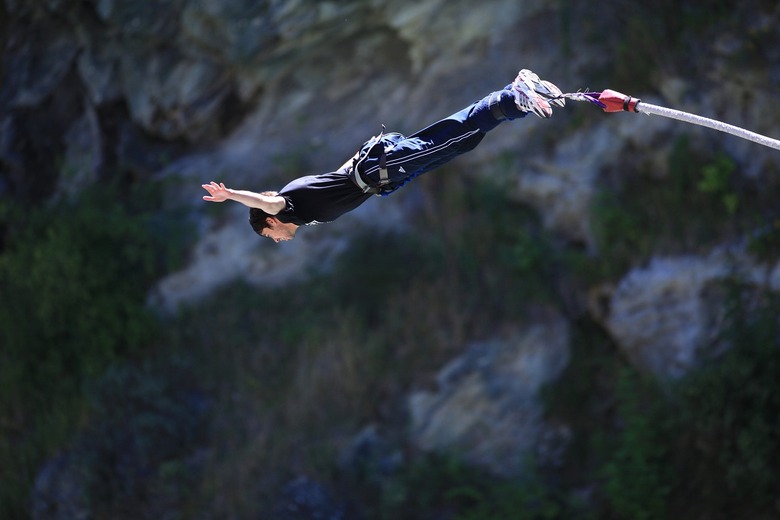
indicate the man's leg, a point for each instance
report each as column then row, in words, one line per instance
column 446, row 139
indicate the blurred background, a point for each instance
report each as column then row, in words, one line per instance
column 578, row 320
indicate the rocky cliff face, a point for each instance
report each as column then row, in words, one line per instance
column 253, row 93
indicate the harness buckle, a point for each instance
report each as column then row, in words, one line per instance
column 365, row 152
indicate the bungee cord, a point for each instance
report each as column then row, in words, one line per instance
column 613, row 101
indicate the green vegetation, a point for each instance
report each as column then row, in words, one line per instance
column 716, row 180
column 704, row 446
column 442, row 483
column 83, row 361
column 324, row 356
column 648, row 40
column 215, row 410
column 730, row 410
column 210, row 413
column 74, row 279
column 636, row 477
column 707, row 448
column 694, row 206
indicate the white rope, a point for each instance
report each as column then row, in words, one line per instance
column 612, row 101
column 647, row 108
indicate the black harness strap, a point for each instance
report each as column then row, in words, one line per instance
column 365, row 152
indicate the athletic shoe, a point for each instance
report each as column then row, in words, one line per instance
column 550, row 92
column 535, row 95
column 544, row 88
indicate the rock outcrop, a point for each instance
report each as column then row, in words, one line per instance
column 485, row 407
column 670, row 315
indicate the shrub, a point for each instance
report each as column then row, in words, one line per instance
column 140, row 451
column 729, row 455
column 636, row 479
column 443, row 486
column 74, row 278
column 702, row 202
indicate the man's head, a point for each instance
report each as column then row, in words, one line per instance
column 269, row 226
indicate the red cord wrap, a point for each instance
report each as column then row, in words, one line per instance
column 618, row 102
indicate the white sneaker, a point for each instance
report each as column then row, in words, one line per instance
column 535, row 95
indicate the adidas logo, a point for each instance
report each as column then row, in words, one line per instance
column 401, row 170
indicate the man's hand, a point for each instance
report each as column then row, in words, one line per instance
column 268, row 201
column 217, row 192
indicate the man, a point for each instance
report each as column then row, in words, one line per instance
column 388, row 161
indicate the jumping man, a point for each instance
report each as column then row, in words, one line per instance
column 388, row 161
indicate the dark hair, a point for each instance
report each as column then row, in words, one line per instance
column 257, row 220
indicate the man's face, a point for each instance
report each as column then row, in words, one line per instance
column 279, row 231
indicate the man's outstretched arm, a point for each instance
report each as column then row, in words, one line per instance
column 268, row 201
